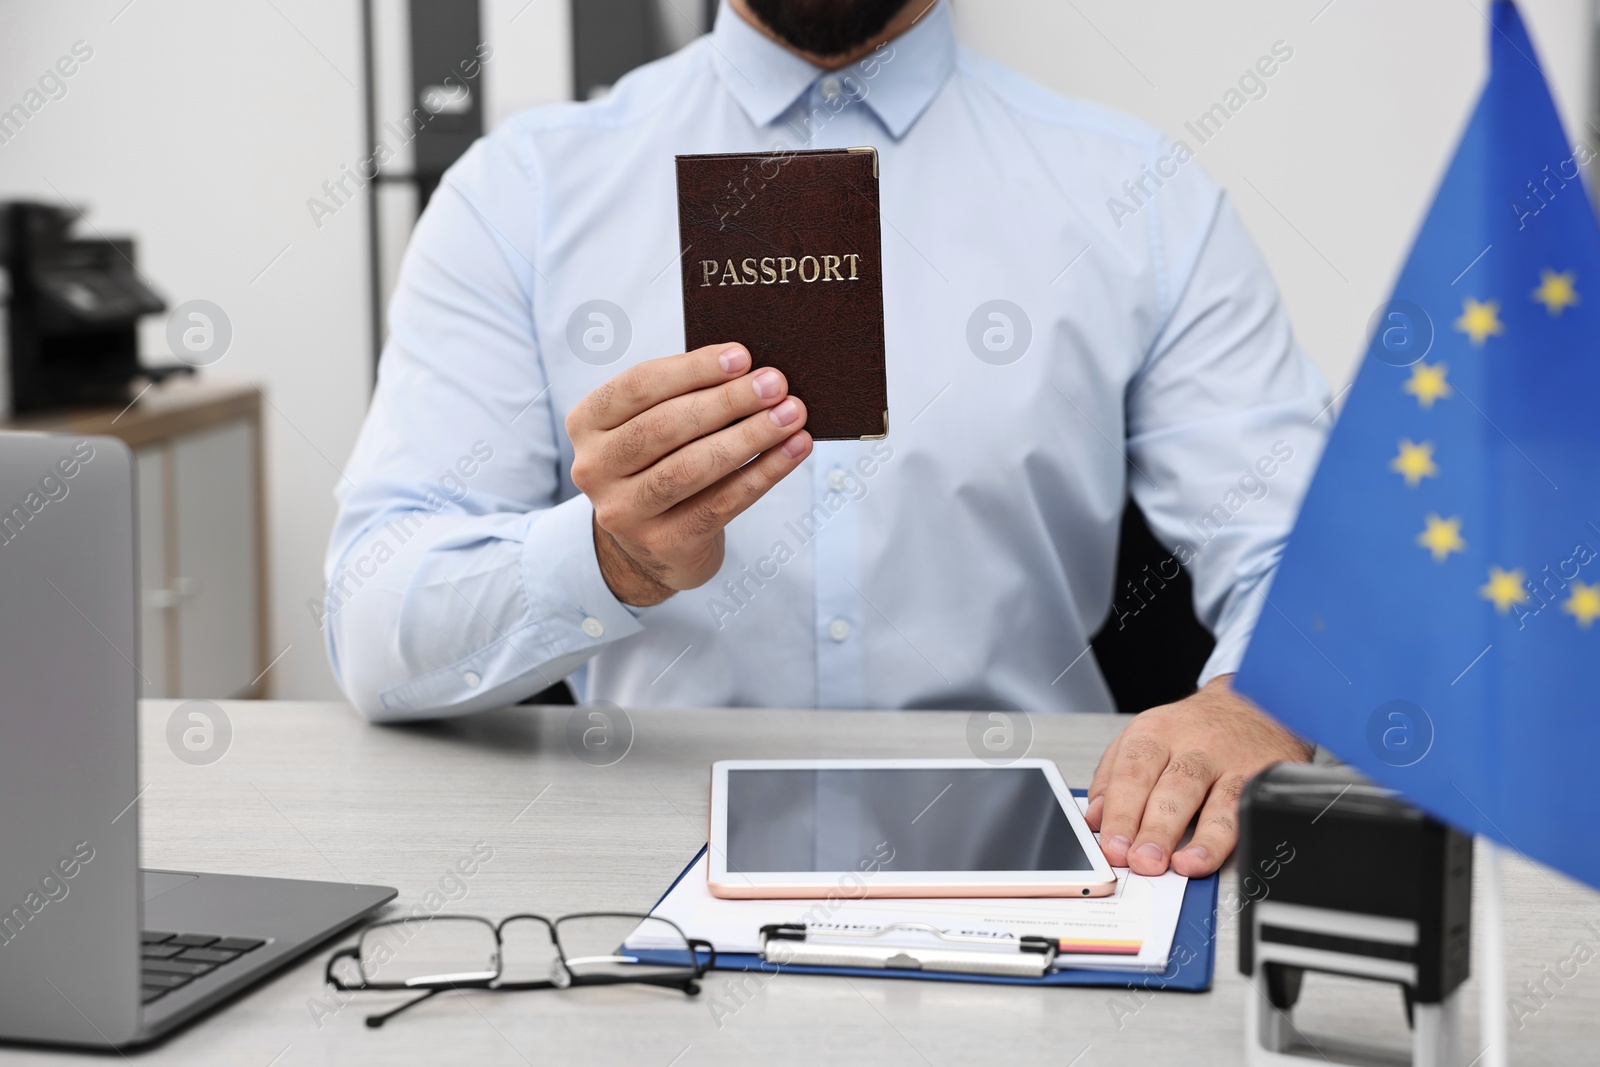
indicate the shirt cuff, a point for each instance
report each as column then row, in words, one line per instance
column 561, row 575
column 572, row 614
column 1233, row 636
column 1225, row 658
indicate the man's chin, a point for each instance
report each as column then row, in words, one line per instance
column 826, row 27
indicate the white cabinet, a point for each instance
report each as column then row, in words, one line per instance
column 201, row 557
column 155, row 601
column 202, row 613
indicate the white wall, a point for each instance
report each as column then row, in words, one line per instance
column 201, row 128
column 1333, row 168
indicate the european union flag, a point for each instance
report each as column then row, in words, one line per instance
column 1436, row 617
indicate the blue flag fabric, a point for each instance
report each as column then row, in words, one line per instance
column 1435, row 620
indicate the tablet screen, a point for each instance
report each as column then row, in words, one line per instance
column 903, row 819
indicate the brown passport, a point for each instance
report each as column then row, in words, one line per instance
column 782, row 253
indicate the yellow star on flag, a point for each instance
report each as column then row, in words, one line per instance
column 1504, row 588
column 1442, row 537
column 1557, row 290
column 1427, row 383
column 1415, row 462
column 1583, row 604
column 1480, row 321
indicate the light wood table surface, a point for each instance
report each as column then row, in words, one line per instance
column 310, row 790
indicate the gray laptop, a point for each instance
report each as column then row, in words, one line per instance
column 93, row 950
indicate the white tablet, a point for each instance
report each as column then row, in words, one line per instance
column 899, row 828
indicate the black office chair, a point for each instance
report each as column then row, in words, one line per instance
column 1152, row 647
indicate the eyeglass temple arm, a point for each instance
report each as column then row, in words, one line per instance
column 696, row 946
column 375, row 1021
column 332, row 979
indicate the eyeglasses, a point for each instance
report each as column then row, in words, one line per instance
column 443, row 952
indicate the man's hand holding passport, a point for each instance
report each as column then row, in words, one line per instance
column 783, row 300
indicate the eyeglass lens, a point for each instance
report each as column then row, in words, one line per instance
column 459, row 950
column 429, row 952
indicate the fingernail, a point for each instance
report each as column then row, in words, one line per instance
column 767, row 384
column 784, row 413
column 1092, row 812
column 1198, row 852
column 794, row 445
column 1152, row 852
column 734, row 359
column 1119, row 843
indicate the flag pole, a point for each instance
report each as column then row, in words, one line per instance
column 1492, row 983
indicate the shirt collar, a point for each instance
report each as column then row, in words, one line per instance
column 766, row 78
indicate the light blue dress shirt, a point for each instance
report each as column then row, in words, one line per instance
column 1073, row 312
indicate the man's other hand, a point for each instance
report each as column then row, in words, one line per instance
column 668, row 452
column 1173, row 761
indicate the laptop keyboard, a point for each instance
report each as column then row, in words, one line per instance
column 172, row 961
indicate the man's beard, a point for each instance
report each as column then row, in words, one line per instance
column 826, row 27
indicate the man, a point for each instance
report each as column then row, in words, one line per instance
column 541, row 487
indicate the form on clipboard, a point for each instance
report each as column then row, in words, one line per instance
column 1132, row 931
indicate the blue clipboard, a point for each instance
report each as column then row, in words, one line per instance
column 1190, row 966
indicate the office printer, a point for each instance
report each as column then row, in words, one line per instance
column 70, row 337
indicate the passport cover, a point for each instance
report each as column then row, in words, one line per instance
column 782, row 253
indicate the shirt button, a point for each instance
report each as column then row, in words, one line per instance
column 594, row 627
column 472, row 678
column 836, row 480
column 831, row 88
column 839, row 629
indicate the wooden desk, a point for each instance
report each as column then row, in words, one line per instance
column 181, row 405
column 310, row 790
